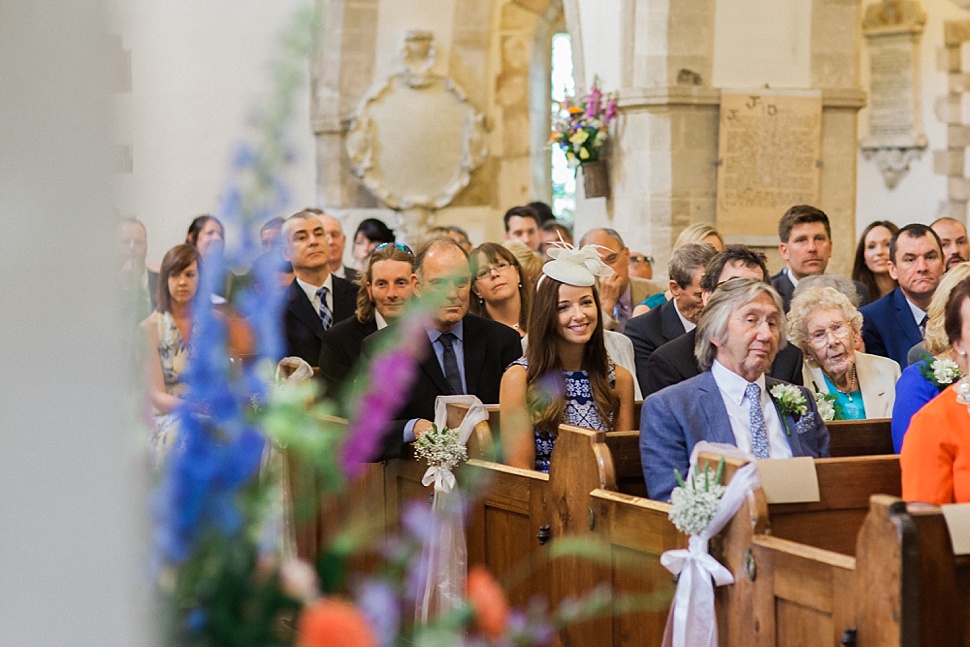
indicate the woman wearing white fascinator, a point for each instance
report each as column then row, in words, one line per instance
column 566, row 375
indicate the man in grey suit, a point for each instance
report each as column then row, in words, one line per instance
column 730, row 402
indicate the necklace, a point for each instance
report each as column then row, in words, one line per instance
column 852, row 382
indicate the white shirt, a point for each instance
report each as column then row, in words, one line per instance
column 917, row 313
column 732, row 386
column 311, row 292
column 688, row 325
column 381, row 322
column 791, row 277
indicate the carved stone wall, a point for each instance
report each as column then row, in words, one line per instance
column 949, row 109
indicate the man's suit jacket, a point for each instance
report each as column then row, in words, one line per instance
column 786, row 289
column 301, row 322
column 650, row 331
column 153, row 288
column 350, row 274
column 877, row 381
column 340, row 348
column 888, row 327
column 676, row 419
column 640, row 289
column 674, row 362
column 489, row 347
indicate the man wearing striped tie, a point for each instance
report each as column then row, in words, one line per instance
column 316, row 299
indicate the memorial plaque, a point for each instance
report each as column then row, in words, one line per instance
column 769, row 145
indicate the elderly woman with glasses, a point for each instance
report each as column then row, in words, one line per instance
column 500, row 292
column 826, row 326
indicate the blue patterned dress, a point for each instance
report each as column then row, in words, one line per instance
column 580, row 410
column 173, row 353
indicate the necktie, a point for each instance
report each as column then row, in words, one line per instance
column 620, row 315
column 452, row 374
column 922, row 326
column 326, row 316
column 759, row 432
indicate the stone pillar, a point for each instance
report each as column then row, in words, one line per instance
column 949, row 108
column 663, row 157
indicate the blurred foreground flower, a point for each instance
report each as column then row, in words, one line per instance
column 334, row 623
column 488, row 601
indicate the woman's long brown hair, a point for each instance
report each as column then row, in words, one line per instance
column 546, row 387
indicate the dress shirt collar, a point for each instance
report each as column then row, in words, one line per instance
column 311, row 290
column 688, row 324
column 458, row 331
column 918, row 314
column 732, row 384
column 381, row 321
column 791, row 276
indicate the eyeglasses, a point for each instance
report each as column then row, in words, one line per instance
column 820, row 338
column 499, row 267
column 401, row 246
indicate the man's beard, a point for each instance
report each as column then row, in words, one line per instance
column 954, row 260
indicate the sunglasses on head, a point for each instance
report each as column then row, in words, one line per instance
column 401, row 246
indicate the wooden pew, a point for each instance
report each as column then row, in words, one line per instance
column 870, row 437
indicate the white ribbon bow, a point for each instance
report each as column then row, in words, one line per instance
column 443, row 479
column 692, row 621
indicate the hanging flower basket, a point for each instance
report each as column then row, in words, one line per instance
column 596, row 179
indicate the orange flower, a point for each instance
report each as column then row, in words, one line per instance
column 488, row 601
column 334, row 623
column 575, row 110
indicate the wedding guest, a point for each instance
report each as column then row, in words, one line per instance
column 269, row 234
column 316, row 299
column 641, row 266
column 138, row 283
column 700, row 233
column 675, row 362
column 895, row 323
column 543, row 210
column 168, row 334
column 935, row 369
column 805, row 237
column 465, row 354
column 953, row 238
column 826, row 326
column 650, row 331
column 460, row 236
column 522, row 224
column 553, row 232
column 618, row 292
column 566, row 375
column 871, row 265
column 336, row 240
column 696, row 233
column 207, row 235
column 370, row 233
column 732, row 401
column 386, row 286
column 530, row 263
column 935, row 458
column 499, row 290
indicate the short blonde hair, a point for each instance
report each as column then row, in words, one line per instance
column 819, row 298
column 935, row 339
column 696, row 233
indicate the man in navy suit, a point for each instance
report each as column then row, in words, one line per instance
column 668, row 321
column 316, row 299
column 730, row 402
column 806, row 245
column 895, row 323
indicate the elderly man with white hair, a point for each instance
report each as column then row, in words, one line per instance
column 731, row 401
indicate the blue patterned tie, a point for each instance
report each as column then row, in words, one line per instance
column 452, row 374
column 759, row 432
column 326, row 316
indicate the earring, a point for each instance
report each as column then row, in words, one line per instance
column 963, row 353
column 481, row 300
column 520, row 285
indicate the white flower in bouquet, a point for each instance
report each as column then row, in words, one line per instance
column 694, row 502
column 440, row 447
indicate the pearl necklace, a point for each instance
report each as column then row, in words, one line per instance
column 853, row 382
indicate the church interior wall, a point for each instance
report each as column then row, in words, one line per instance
column 193, row 80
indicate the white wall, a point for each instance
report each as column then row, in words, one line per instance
column 197, row 69
column 399, row 16
column 917, row 197
column 601, row 34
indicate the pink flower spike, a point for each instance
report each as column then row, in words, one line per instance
column 610, row 111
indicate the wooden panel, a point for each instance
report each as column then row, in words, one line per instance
column 638, row 573
column 870, row 437
column 803, row 626
column 625, row 447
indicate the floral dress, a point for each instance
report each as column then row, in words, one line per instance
column 173, row 353
column 580, row 410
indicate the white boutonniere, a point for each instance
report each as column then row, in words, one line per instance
column 443, row 450
column 791, row 402
column 694, row 502
column 941, row 373
column 825, row 402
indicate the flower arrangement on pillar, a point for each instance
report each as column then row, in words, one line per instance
column 581, row 129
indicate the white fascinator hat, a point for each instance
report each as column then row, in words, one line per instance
column 579, row 267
